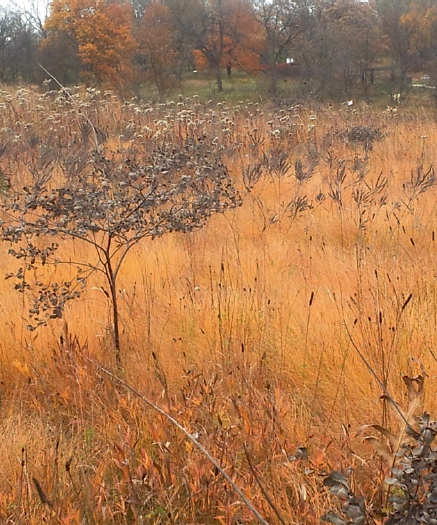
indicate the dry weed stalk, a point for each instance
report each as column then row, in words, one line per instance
column 190, row 438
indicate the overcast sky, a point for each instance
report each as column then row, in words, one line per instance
column 25, row 4
column 36, row 9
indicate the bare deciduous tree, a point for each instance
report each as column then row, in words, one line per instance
column 281, row 23
column 18, row 47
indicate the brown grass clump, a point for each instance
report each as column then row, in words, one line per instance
column 246, row 331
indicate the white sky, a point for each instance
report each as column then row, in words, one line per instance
column 34, row 5
column 37, row 9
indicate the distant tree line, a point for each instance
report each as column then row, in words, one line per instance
column 335, row 45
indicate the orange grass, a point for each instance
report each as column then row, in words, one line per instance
column 244, row 330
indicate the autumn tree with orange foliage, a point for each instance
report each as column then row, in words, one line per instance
column 222, row 34
column 102, row 33
column 156, row 50
column 241, row 42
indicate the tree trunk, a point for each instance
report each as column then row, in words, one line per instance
column 273, row 81
column 218, row 77
column 116, row 322
column 112, row 281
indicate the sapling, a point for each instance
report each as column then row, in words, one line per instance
column 110, row 203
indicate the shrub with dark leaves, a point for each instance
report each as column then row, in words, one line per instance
column 414, row 478
column 412, row 466
column 109, row 203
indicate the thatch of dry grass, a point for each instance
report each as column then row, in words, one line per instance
column 244, row 331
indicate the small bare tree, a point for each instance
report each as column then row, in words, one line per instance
column 110, row 205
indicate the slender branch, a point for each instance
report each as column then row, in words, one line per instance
column 71, row 233
column 99, row 250
column 134, row 210
column 91, row 267
column 128, row 246
column 190, row 438
column 263, row 490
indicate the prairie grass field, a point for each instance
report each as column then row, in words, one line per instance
column 262, row 333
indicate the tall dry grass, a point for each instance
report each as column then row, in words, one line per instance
column 246, row 331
